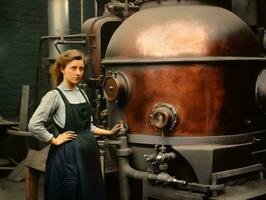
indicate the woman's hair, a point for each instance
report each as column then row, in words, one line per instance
column 61, row 62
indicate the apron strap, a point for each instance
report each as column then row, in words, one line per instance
column 84, row 95
column 63, row 96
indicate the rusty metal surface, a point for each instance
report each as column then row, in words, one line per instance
column 152, row 3
column 182, row 31
column 95, row 28
column 211, row 98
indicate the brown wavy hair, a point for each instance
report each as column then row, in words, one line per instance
column 60, row 63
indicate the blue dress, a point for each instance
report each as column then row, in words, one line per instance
column 73, row 170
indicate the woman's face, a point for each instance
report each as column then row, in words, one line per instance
column 73, row 72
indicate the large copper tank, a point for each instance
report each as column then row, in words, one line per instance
column 197, row 58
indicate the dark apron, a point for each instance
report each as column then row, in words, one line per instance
column 73, row 170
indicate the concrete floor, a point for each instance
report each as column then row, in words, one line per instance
column 10, row 190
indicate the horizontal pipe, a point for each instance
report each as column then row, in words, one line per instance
column 259, row 152
column 166, row 179
column 140, row 175
column 203, row 59
column 63, row 36
column 56, row 42
column 18, row 132
column 6, row 168
column 127, row 171
column 69, row 42
column 158, row 192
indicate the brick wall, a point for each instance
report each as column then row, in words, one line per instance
column 22, row 23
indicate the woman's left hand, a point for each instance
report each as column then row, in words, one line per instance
column 116, row 128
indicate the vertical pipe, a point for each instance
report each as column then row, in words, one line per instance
column 81, row 13
column 58, row 23
column 122, row 162
column 95, row 8
column 123, row 179
column 126, row 9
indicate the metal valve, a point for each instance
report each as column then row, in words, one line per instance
column 163, row 116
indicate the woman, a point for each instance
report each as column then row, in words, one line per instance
column 72, row 168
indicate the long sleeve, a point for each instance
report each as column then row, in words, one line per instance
column 47, row 107
column 53, row 106
column 93, row 127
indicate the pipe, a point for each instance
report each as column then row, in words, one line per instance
column 58, row 23
column 140, row 175
column 125, row 171
column 158, row 192
column 126, row 9
column 167, row 179
column 81, row 13
column 69, row 42
column 123, row 180
column 47, row 37
column 18, row 132
column 50, row 39
column 56, row 42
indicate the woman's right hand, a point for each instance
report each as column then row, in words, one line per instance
column 64, row 137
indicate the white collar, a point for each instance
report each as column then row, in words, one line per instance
column 63, row 87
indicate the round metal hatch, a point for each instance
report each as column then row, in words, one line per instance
column 116, row 88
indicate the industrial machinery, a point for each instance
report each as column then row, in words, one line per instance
column 187, row 80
